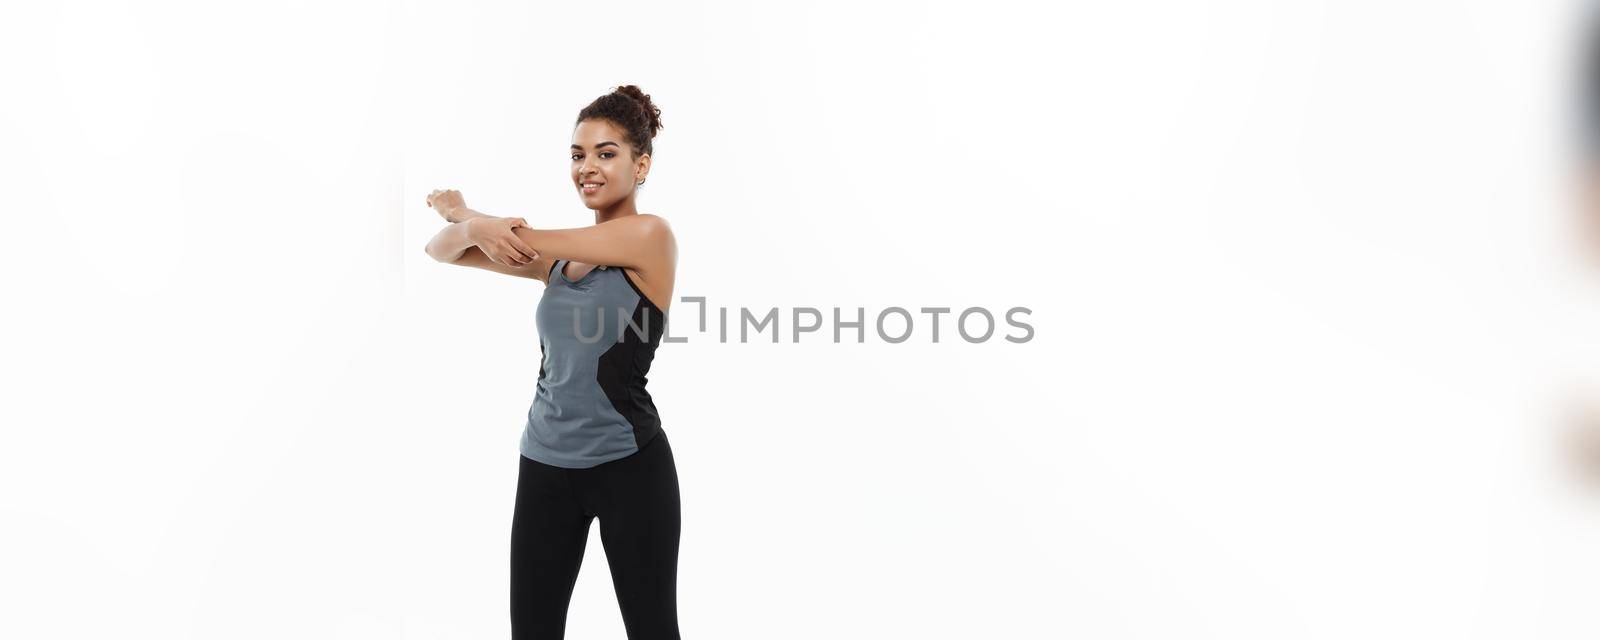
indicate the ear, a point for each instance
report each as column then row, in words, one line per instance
column 643, row 170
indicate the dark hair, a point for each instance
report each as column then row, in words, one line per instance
column 631, row 110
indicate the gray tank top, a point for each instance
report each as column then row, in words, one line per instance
column 597, row 337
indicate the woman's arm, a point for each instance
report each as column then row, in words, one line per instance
column 450, row 243
column 490, row 234
column 463, row 214
column 539, row 269
column 642, row 242
column 474, row 256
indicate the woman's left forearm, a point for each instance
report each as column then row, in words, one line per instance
column 463, row 214
column 451, row 242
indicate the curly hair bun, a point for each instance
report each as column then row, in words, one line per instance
column 651, row 111
column 632, row 110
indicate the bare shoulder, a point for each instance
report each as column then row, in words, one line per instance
column 657, row 229
column 655, row 223
column 658, row 272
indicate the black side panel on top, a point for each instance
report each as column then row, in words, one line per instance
column 622, row 369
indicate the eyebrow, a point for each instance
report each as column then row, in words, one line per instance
column 602, row 144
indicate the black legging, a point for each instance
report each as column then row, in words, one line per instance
column 636, row 499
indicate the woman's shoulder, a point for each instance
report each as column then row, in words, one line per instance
column 657, row 230
column 655, row 221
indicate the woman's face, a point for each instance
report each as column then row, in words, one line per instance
column 602, row 159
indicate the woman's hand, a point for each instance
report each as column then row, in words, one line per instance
column 495, row 238
column 443, row 200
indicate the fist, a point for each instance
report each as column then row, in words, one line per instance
column 443, row 200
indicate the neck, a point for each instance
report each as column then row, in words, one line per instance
column 618, row 210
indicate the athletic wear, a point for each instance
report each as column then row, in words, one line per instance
column 593, row 447
column 597, row 336
column 636, row 499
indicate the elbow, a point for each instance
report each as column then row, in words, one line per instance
column 433, row 254
column 445, row 258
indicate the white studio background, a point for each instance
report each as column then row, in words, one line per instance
column 1302, row 279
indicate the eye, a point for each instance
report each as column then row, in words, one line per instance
column 574, row 156
column 606, row 154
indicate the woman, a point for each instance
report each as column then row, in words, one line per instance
column 593, row 444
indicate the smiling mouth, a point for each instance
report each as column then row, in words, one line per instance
column 590, row 187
